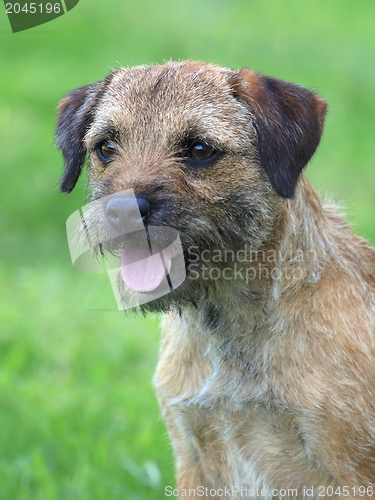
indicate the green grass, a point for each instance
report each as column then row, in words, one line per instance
column 77, row 413
column 78, row 418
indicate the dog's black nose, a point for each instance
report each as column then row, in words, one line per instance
column 123, row 214
column 144, row 206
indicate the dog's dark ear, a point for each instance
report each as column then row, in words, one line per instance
column 75, row 114
column 289, row 122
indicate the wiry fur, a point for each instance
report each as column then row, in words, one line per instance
column 266, row 382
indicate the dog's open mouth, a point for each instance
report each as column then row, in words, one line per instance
column 144, row 268
column 151, row 265
column 143, row 263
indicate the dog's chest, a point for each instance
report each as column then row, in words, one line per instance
column 240, row 436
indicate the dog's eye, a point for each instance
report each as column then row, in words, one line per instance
column 201, row 151
column 106, row 150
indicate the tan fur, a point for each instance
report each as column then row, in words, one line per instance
column 269, row 382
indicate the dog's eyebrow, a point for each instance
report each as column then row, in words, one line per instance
column 195, row 135
column 103, row 132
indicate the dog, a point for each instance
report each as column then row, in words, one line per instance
column 266, row 377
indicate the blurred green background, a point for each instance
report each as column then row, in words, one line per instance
column 78, row 418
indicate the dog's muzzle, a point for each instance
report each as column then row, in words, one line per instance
column 148, row 258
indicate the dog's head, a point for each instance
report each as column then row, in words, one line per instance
column 208, row 151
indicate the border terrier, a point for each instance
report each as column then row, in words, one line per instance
column 266, row 377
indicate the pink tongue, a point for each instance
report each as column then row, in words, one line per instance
column 141, row 271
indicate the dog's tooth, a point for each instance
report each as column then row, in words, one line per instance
column 169, row 265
